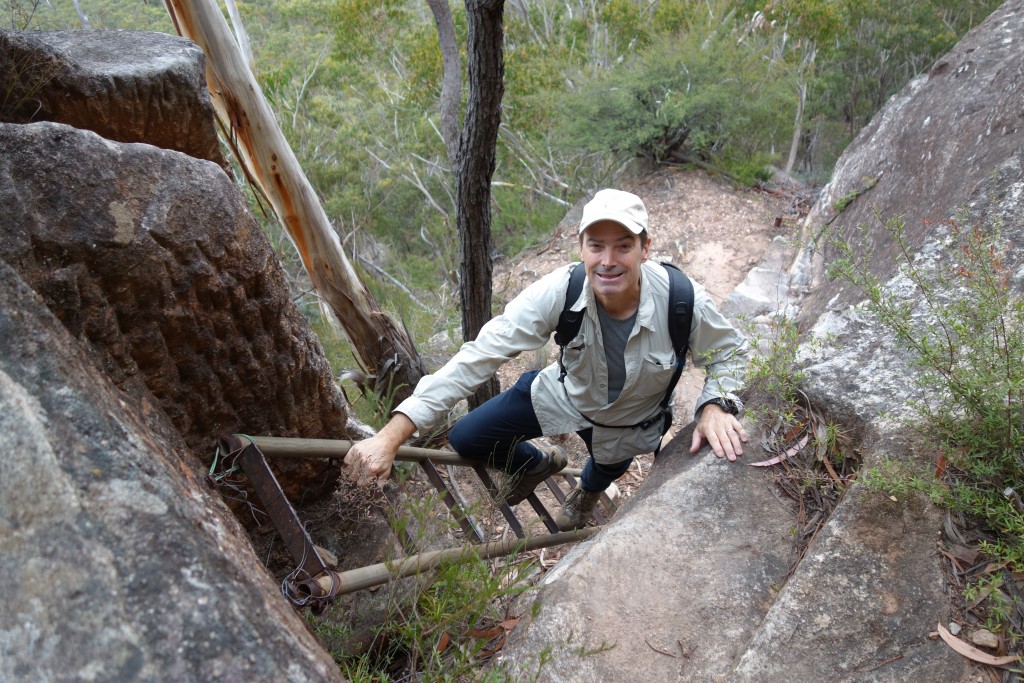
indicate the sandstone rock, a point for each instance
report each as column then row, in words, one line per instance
column 151, row 259
column 673, row 587
column 952, row 139
column 927, row 152
column 128, row 86
column 118, row 564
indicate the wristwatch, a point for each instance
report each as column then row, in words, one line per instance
column 729, row 405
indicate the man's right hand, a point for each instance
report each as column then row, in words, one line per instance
column 370, row 460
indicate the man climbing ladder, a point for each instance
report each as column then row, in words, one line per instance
column 612, row 383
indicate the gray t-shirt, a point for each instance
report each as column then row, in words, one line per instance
column 615, row 334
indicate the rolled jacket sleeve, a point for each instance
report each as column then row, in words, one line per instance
column 525, row 325
column 719, row 348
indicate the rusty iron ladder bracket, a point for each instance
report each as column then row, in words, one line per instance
column 296, row 538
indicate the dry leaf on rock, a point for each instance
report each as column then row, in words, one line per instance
column 972, row 652
column 788, row 454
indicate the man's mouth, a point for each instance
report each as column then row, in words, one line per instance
column 607, row 276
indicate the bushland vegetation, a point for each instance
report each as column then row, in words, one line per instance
column 731, row 85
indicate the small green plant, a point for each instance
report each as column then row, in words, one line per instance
column 902, row 479
column 773, row 375
column 840, row 204
column 964, row 329
column 999, row 608
column 441, row 625
column 812, row 462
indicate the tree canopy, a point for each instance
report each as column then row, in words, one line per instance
column 356, row 84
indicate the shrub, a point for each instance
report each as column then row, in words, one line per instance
column 701, row 96
column 965, row 334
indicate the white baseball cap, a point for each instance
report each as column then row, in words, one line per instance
column 624, row 208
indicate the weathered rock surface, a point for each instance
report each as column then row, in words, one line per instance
column 142, row 315
column 861, row 602
column 673, row 587
column 118, row 564
column 127, row 86
column 151, row 258
column 929, row 150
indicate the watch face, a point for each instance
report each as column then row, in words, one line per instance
column 727, row 405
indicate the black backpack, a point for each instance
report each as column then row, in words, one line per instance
column 680, row 317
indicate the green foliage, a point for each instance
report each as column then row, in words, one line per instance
column 20, row 14
column 773, row 374
column 700, row 96
column 533, row 84
column 101, row 14
column 362, row 26
column 773, row 387
column 442, row 625
column 1000, row 609
column 627, row 21
column 866, row 50
column 966, row 338
column 676, row 17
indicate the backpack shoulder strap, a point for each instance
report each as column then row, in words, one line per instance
column 680, row 308
column 680, row 317
column 569, row 321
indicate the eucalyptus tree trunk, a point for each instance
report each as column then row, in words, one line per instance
column 269, row 162
column 476, row 168
column 451, row 85
column 806, row 72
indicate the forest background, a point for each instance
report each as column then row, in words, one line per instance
column 594, row 89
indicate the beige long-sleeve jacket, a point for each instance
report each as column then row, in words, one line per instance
column 528, row 322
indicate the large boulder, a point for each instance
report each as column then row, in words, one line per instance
column 926, row 153
column 143, row 314
column 873, row 584
column 151, row 259
column 127, row 86
column 118, row 563
column 672, row 588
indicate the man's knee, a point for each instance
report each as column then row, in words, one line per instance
column 459, row 437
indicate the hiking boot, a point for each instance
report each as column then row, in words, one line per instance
column 577, row 509
column 551, row 462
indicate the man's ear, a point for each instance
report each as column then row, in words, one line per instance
column 647, row 249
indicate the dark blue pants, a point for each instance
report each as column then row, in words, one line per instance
column 496, row 433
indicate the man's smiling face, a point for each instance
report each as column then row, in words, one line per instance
column 612, row 256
